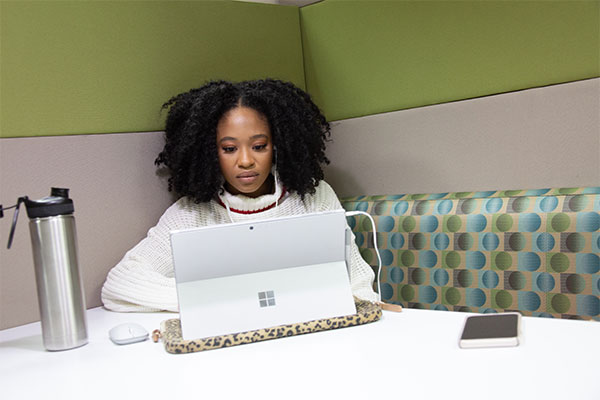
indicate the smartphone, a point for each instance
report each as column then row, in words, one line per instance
column 491, row 330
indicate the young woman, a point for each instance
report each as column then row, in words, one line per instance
column 235, row 152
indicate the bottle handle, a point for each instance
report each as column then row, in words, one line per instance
column 14, row 221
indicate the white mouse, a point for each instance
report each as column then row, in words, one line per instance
column 127, row 333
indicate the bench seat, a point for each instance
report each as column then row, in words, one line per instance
column 532, row 251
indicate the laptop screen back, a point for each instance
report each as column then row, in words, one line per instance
column 226, row 274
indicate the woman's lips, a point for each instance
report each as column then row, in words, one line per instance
column 247, row 177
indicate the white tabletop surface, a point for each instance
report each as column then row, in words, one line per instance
column 413, row 354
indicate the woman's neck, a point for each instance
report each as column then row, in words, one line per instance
column 244, row 204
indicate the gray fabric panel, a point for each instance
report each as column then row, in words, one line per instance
column 117, row 194
column 537, row 138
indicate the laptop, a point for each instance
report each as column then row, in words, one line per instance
column 244, row 276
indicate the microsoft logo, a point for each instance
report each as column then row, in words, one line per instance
column 266, row 299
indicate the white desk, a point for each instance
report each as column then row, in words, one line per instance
column 412, row 355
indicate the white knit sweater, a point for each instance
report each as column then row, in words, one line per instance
column 144, row 279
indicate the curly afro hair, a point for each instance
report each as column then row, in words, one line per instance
column 298, row 128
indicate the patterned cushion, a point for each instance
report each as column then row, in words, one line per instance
column 533, row 251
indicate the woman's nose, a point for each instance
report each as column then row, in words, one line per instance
column 245, row 160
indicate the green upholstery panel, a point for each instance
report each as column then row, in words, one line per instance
column 532, row 251
column 369, row 57
column 87, row 67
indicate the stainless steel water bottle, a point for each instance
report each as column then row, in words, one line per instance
column 59, row 285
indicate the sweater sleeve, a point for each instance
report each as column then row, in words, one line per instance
column 144, row 280
column 361, row 273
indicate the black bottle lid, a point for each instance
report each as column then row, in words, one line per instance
column 58, row 203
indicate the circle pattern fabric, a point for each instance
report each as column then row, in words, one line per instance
column 535, row 251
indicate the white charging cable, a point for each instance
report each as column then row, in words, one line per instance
column 353, row 213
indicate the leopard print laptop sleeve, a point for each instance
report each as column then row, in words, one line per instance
column 170, row 331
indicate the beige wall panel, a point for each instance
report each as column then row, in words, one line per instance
column 537, row 138
column 117, row 194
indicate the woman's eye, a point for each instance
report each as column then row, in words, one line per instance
column 228, row 149
column 260, row 147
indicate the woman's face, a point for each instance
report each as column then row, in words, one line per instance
column 245, row 152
